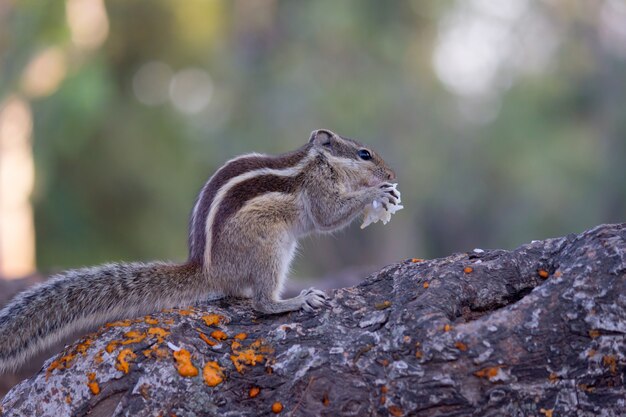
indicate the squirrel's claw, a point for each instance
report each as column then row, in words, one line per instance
column 313, row 299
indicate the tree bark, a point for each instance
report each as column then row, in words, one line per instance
column 535, row 331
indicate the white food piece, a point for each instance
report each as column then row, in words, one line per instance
column 376, row 211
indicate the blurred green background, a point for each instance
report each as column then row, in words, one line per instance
column 505, row 120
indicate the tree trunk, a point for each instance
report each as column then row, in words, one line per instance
column 535, row 331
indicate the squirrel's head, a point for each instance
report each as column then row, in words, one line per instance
column 363, row 166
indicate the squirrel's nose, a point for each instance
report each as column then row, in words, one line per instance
column 391, row 175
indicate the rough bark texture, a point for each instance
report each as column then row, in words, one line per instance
column 535, row 331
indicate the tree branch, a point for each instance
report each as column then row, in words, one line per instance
column 535, row 331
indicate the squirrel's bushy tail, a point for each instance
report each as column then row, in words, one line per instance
column 82, row 298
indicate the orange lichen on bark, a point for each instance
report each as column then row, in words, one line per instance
column 488, row 373
column 122, row 360
column 246, row 357
column 207, row 340
column 547, row 413
column 183, row 363
column 277, row 407
column 92, row 384
column 98, row 358
column 241, row 336
column 553, row 378
column 94, row 387
column 609, row 360
column 83, row 347
column 594, row 333
column 212, row 319
column 68, row 399
column 121, row 323
column 468, row 270
column 426, row 284
column 254, row 391
column 591, row 352
column 156, row 351
column 186, row 311
column 447, row 327
column 133, row 337
column 543, row 273
column 558, row 274
column 461, row 346
column 586, row 388
column 159, row 332
column 62, row 363
column 219, row 335
column 418, row 352
column 161, row 353
column 213, row 374
column 151, row 321
column 252, row 355
column 383, row 396
column 396, row 411
column 416, row 260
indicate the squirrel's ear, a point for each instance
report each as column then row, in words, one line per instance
column 321, row 137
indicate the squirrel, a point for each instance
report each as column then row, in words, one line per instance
column 243, row 233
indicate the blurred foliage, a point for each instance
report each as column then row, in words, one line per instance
column 116, row 178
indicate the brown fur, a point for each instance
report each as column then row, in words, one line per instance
column 197, row 224
column 248, row 190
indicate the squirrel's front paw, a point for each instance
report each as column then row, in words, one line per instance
column 313, row 299
column 388, row 194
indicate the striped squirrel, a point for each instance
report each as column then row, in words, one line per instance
column 243, row 233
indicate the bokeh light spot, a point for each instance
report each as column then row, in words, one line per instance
column 191, row 90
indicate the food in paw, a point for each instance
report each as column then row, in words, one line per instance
column 376, row 210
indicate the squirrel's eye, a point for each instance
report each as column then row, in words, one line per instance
column 365, row 154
